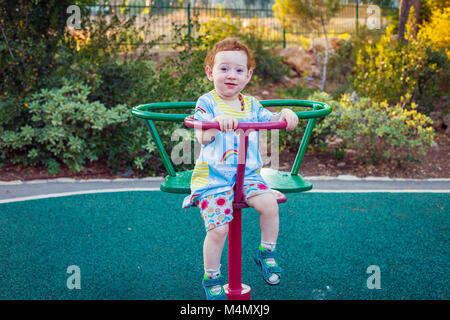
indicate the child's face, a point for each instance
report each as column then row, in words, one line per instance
column 229, row 73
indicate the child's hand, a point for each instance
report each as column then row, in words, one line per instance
column 290, row 117
column 226, row 123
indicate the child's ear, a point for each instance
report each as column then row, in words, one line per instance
column 208, row 71
column 249, row 75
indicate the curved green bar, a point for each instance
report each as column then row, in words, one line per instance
column 146, row 111
column 287, row 182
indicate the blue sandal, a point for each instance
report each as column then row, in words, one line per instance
column 266, row 269
column 208, row 284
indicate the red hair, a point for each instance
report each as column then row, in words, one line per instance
column 229, row 44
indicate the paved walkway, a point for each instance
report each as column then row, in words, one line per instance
column 19, row 191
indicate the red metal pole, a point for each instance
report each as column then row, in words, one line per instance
column 235, row 289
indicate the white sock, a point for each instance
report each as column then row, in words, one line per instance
column 268, row 245
column 214, row 274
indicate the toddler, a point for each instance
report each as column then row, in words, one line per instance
column 229, row 65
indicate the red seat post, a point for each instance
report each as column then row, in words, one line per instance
column 235, row 290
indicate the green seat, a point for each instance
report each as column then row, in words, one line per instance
column 181, row 183
column 279, row 180
column 286, row 182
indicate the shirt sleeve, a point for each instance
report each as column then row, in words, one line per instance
column 204, row 110
column 262, row 114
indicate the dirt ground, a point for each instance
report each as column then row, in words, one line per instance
column 435, row 164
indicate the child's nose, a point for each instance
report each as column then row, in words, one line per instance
column 232, row 75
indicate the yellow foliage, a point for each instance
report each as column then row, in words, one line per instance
column 434, row 5
column 437, row 31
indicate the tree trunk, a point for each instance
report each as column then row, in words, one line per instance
column 404, row 9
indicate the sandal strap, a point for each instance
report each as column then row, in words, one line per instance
column 268, row 254
column 275, row 269
column 208, row 283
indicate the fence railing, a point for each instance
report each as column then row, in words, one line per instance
column 350, row 18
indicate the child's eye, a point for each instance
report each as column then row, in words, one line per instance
column 239, row 70
column 224, row 69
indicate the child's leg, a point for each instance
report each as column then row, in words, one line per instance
column 266, row 204
column 212, row 252
column 213, row 247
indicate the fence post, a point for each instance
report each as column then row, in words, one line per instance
column 284, row 38
column 357, row 16
column 189, row 23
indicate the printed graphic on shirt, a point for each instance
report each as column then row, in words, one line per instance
column 194, row 197
column 199, row 109
column 228, row 154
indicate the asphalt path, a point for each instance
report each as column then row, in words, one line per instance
column 26, row 190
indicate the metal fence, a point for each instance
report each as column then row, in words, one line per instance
column 162, row 19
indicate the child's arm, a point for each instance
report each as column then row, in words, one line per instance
column 205, row 136
column 265, row 115
column 288, row 115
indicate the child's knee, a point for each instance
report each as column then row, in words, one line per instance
column 265, row 204
column 219, row 233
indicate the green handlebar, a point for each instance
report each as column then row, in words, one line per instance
column 146, row 111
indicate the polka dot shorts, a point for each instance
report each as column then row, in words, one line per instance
column 217, row 209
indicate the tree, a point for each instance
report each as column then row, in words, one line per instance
column 404, row 10
column 314, row 13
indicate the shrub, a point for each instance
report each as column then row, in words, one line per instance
column 400, row 72
column 377, row 131
column 64, row 127
column 437, row 31
column 290, row 140
column 30, row 33
column 341, row 64
column 102, row 55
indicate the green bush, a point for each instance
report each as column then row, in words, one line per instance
column 374, row 131
column 30, row 32
column 290, row 140
column 64, row 127
column 377, row 131
column 401, row 72
column 341, row 64
column 103, row 55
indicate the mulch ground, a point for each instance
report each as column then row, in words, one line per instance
column 435, row 164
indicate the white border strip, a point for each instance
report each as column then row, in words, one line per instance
column 67, row 180
column 65, row 194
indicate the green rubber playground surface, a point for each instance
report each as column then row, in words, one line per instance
column 142, row 245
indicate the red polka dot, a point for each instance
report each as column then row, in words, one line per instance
column 204, row 204
column 220, row 201
column 262, row 186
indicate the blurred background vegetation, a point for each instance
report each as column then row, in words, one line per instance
column 66, row 93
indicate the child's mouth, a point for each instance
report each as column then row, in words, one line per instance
column 231, row 85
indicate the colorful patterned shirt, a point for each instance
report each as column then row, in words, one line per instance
column 216, row 167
